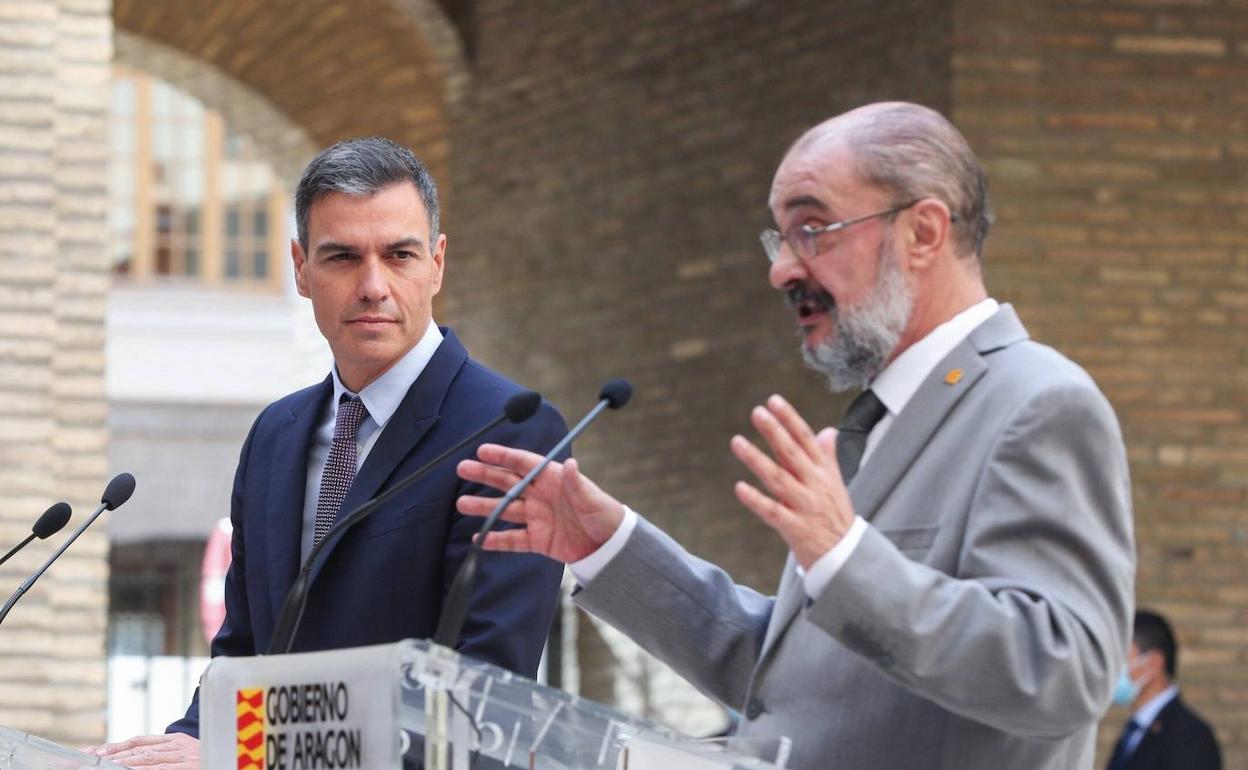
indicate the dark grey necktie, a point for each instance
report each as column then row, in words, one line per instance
column 851, row 438
column 339, row 465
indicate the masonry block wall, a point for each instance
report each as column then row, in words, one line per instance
column 54, row 69
column 1116, row 139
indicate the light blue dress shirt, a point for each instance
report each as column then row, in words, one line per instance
column 381, row 397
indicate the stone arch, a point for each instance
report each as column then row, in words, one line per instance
column 333, row 69
column 284, row 144
column 446, row 42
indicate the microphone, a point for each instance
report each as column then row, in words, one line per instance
column 520, row 407
column 52, row 521
column 614, row 394
column 115, row 494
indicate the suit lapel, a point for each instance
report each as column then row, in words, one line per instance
column 284, row 508
column 927, row 410
column 913, row 428
column 417, row 413
column 907, row 437
column 790, row 597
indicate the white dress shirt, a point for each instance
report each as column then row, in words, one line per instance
column 381, row 397
column 894, row 386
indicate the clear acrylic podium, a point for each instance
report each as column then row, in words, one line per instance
column 22, row 751
column 449, row 713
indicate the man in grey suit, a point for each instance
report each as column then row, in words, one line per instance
column 959, row 588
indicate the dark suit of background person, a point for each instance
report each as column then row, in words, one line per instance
column 1171, row 735
column 981, row 559
column 370, row 257
column 1178, row 739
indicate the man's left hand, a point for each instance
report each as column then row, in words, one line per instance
column 174, row 751
column 808, row 504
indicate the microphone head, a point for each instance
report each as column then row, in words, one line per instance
column 522, row 405
column 118, row 491
column 616, row 393
column 52, row 521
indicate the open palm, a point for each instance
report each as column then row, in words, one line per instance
column 563, row 514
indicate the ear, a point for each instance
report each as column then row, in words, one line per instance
column 439, row 262
column 928, row 232
column 300, row 261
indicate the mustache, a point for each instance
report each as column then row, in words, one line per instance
column 800, row 294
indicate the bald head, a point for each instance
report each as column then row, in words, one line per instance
column 911, row 152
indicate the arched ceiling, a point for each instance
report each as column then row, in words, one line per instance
column 335, row 69
column 283, row 143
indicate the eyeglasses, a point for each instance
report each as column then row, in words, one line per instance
column 804, row 239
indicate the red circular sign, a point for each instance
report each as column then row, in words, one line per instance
column 212, row 578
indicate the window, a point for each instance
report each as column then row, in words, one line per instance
column 190, row 200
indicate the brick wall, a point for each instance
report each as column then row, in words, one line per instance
column 337, row 68
column 1114, row 136
column 54, row 58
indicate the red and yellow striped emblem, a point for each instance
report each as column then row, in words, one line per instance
column 251, row 729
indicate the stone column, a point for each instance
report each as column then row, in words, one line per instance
column 54, row 89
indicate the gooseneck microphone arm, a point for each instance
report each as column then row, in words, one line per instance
column 52, row 521
column 116, row 493
column 518, row 408
column 614, row 395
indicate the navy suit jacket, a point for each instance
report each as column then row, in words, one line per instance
column 385, row 579
column 1178, row 739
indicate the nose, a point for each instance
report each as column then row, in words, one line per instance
column 787, row 269
column 372, row 284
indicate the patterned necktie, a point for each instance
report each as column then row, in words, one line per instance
column 339, row 465
column 851, row 438
column 1123, row 749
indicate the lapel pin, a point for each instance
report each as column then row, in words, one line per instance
column 953, row 377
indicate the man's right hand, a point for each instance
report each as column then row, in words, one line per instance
column 173, row 751
column 565, row 516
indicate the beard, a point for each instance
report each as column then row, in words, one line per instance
column 866, row 335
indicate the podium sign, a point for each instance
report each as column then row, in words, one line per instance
column 447, row 712
column 326, row 710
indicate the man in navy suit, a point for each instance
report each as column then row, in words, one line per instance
column 370, row 257
column 1163, row 733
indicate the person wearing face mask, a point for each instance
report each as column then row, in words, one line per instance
column 1163, row 733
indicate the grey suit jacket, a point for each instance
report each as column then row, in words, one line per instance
column 981, row 621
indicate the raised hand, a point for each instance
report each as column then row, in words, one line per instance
column 808, row 504
column 565, row 515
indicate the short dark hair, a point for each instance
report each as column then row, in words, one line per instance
column 363, row 167
column 1152, row 632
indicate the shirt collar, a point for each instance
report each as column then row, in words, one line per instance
column 383, row 395
column 901, row 379
column 1147, row 714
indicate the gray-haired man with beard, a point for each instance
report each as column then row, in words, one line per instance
column 959, row 589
